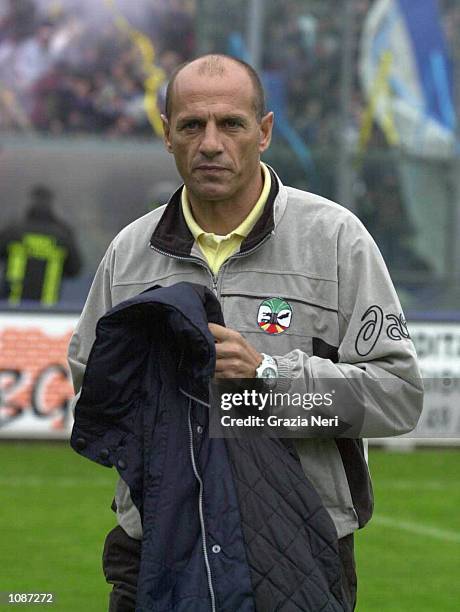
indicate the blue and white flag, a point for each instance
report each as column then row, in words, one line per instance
column 406, row 74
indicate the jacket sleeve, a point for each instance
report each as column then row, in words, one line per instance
column 377, row 371
column 99, row 301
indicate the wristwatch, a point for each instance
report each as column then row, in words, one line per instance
column 268, row 367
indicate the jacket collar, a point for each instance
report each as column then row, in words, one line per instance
column 173, row 237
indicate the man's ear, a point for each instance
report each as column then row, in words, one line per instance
column 166, row 140
column 266, row 128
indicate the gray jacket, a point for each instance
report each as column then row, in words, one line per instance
column 345, row 322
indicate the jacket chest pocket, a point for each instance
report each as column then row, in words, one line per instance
column 278, row 324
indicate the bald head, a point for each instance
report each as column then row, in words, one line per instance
column 217, row 65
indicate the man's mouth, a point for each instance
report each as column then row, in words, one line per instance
column 211, row 168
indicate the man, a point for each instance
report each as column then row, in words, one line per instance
column 303, row 289
column 38, row 252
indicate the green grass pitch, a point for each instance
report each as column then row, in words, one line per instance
column 54, row 509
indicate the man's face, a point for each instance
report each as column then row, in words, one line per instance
column 214, row 134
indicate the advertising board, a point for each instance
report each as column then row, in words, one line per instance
column 36, row 389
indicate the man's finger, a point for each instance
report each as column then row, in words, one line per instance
column 219, row 332
column 226, row 349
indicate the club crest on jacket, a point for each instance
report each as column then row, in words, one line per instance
column 274, row 316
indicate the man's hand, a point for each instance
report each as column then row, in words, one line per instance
column 235, row 357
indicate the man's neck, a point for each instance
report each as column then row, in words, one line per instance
column 224, row 216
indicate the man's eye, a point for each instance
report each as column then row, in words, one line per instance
column 232, row 123
column 191, row 125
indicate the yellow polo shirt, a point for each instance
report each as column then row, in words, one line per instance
column 218, row 249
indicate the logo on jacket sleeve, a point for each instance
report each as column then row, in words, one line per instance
column 274, row 315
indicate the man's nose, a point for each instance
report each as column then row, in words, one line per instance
column 211, row 143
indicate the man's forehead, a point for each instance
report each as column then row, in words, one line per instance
column 194, row 84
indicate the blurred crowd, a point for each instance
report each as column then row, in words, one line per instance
column 68, row 66
column 66, row 69
column 305, row 45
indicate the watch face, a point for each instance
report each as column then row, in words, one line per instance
column 270, row 383
column 269, row 372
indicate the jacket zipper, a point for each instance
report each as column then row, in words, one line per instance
column 237, row 256
column 195, row 260
column 214, row 279
column 192, row 453
column 200, row 509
